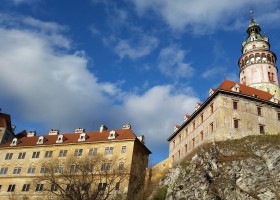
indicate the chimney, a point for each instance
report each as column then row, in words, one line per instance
column 103, row 128
column 54, row 132
column 31, row 134
column 141, row 138
column 186, row 117
column 80, row 130
column 126, row 126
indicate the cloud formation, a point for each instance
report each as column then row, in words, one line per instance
column 171, row 62
column 44, row 80
column 200, row 16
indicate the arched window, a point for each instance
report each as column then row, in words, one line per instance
column 263, row 57
column 268, row 58
column 258, row 57
column 252, row 58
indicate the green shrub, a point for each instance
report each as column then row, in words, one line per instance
column 161, row 193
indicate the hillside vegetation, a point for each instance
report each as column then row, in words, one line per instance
column 243, row 169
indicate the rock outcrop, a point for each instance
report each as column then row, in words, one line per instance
column 243, row 169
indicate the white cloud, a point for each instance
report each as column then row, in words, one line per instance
column 136, row 48
column 156, row 112
column 202, row 16
column 42, row 82
column 171, row 62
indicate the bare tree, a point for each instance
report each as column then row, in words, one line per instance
column 84, row 178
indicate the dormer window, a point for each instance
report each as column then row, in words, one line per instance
column 60, row 139
column 15, row 141
column 41, row 140
column 82, row 137
column 235, row 88
column 112, row 135
column 274, row 100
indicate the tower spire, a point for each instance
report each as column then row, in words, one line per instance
column 252, row 15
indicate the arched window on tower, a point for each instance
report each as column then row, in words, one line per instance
column 272, row 77
column 263, row 57
column 246, row 60
column 252, row 58
column 273, row 59
column 268, row 58
column 258, row 57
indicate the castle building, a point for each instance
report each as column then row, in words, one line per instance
column 24, row 159
column 235, row 110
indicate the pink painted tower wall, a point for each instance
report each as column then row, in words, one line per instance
column 258, row 64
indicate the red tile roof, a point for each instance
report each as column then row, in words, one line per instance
column 246, row 90
column 73, row 138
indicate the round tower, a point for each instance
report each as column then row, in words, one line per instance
column 258, row 64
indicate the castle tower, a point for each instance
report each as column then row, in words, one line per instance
column 258, row 64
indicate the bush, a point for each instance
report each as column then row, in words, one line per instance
column 161, row 193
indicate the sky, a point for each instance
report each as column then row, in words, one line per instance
column 82, row 63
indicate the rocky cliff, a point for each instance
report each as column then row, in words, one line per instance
column 248, row 168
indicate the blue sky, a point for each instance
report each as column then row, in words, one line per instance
column 68, row 64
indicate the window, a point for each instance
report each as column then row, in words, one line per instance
column 78, row 152
column 235, row 123
column 278, row 115
column 261, row 129
column 31, row 170
column 36, row 154
column 121, row 165
column 17, row 170
column 48, row 154
column 117, row 187
column 59, row 169
column 234, row 105
column 25, row 187
column 62, row 153
column 259, row 109
column 69, row 187
column 74, row 168
column 4, row 170
column 85, row 186
column 179, row 154
column 201, row 117
column 105, row 166
column 211, row 128
column 11, row 188
column 54, row 187
column 0, row 187
column 193, row 142
column 43, row 170
column 92, row 151
column 211, row 108
column 123, row 149
column 21, row 155
column 186, row 148
column 193, row 125
column 109, row 150
column 187, row 131
column 180, row 138
column 102, row 186
column 173, row 143
column 201, row 136
column 9, row 156
column 39, row 187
